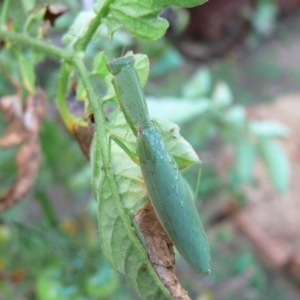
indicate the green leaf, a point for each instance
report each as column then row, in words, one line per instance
column 139, row 19
column 244, row 160
column 198, row 85
column 103, row 283
column 27, row 72
column 130, row 182
column 112, row 25
column 28, row 5
column 183, row 3
column 78, row 29
column 276, row 163
column 176, row 109
column 236, row 115
column 268, row 129
column 142, row 67
column 99, row 65
column 168, row 61
column 264, row 18
column 222, row 96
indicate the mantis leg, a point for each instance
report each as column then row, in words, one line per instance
column 132, row 212
column 132, row 155
column 188, row 168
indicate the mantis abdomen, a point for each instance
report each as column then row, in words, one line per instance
column 171, row 199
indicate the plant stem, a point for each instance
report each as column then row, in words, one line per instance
column 37, row 45
column 96, row 22
column 4, row 12
column 46, row 207
column 96, row 106
column 62, row 105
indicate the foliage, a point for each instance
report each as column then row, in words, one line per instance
column 83, row 76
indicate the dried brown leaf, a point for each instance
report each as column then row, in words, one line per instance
column 11, row 106
column 35, row 111
column 24, row 128
column 54, row 11
column 27, row 162
column 83, row 134
column 160, row 250
column 84, row 137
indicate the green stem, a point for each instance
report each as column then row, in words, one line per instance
column 96, row 22
column 62, row 105
column 4, row 14
column 37, row 45
column 46, row 207
column 96, row 106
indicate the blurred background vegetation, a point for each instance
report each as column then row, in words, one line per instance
column 215, row 61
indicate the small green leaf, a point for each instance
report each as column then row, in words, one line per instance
column 138, row 21
column 112, row 25
column 244, row 160
column 140, row 18
column 142, row 67
column 268, row 129
column 276, row 163
column 28, row 5
column 27, row 72
column 198, row 85
column 236, row 115
column 183, row 3
column 176, row 109
column 103, row 283
column 99, row 65
column 264, row 18
column 78, row 28
column 222, row 96
column 168, row 61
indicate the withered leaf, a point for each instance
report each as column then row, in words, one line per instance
column 83, row 134
column 27, row 162
column 84, row 137
column 11, row 106
column 160, row 250
column 53, row 11
column 23, row 128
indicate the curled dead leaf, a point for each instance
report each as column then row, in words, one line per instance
column 23, row 129
column 160, row 250
column 84, row 137
column 11, row 106
column 83, row 134
column 27, row 163
column 53, row 11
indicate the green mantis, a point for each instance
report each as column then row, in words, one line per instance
column 166, row 188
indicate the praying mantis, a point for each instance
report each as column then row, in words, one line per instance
column 166, row 188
